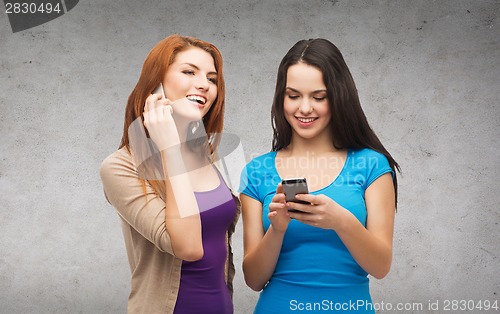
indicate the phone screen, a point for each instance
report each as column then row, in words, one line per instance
column 292, row 187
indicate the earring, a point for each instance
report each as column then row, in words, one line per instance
column 194, row 127
column 196, row 136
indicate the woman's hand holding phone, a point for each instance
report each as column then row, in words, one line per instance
column 159, row 121
column 322, row 212
column 292, row 187
column 278, row 212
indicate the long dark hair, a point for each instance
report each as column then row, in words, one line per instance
column 348, row 124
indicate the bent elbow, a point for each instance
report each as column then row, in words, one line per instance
column 252, row 282
column 190, row 255
column 380, row 275
column 383, row 266
column 254, row 285
column 382, row 272
column 255, row 288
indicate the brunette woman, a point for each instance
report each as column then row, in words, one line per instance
column 317, row 257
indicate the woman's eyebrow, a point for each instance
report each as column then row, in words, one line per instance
column 197, row 68
column 191, row 65
column 319, row 91
column 313, row 92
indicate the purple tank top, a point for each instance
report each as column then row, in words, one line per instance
column 203, row 287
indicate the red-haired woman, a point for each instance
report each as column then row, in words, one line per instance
column 177, row 227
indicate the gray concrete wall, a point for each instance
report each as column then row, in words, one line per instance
column 427, row 73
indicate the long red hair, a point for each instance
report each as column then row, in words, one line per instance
column 153, row 71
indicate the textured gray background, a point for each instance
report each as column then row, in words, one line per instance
column 427, row 73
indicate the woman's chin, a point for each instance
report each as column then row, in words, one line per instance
column 186, row 110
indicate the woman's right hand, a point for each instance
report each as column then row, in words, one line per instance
column 278, row 212
column 159, row 122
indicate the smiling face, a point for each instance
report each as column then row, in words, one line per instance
column 192, row 79
column 306, row 105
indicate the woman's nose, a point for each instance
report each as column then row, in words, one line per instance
column 305, row 107
column 202, row 83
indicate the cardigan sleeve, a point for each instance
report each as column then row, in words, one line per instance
column 136, row 202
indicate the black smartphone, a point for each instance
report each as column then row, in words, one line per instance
column 292, row 187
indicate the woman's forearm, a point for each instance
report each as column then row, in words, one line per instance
column 372, row 253
column 259, row 264
column 182, row 216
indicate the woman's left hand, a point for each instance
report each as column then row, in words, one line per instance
column 323, row 212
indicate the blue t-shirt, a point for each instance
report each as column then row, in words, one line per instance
column 315, row 272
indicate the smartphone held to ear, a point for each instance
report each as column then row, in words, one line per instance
column 292, row 187
column 159, row 90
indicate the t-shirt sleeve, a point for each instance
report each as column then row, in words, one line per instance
column 248, row 182
column 142, row 210
column 377, row 166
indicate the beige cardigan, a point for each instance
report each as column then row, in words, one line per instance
column 155, row 270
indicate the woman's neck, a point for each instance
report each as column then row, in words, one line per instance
column 193, row 150
column 196, row 155
column 319, row 145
